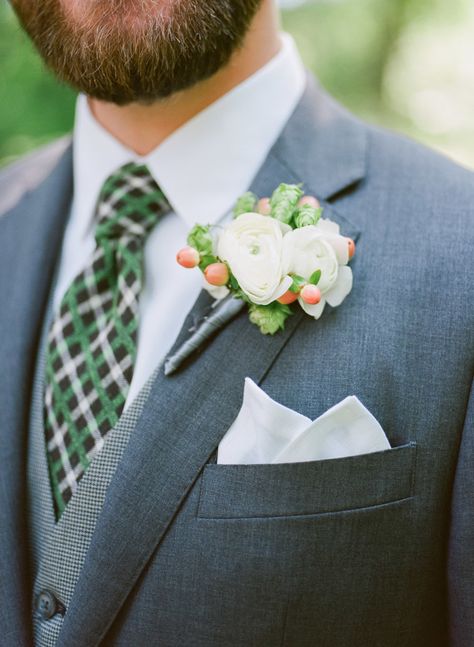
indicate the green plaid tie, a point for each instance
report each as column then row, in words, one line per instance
column 92, row 340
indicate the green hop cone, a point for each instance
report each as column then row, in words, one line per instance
column 284, row 200
column 201, row 239
column 271, row 318
column 245, row 204
column 306, row 215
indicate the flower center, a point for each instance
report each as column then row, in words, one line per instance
column 254, row 249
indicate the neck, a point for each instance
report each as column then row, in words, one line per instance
column 143, row 127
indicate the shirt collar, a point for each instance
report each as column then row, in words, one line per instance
column 205, row 165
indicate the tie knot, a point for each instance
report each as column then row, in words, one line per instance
column 130, row 204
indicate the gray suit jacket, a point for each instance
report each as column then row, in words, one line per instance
column 370, row 550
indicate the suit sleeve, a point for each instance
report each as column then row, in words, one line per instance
column 461, row 540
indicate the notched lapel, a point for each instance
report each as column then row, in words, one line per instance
column 193, row 339
column 189, row 411
column 324, row 148
column 186, row 415
column 185, row 418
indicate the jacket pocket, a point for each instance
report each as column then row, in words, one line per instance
column 310, row 488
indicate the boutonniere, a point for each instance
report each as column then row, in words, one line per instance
column 275, row 252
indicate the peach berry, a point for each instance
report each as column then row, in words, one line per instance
column 217, row 274
column 352, row 247
column 287, row 298
column 188, row 257
column 263, row 206
column 310, row 294
column 309, row 199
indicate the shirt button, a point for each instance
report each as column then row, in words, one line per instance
column 47, row 605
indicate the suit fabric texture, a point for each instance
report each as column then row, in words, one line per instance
column 372, row 550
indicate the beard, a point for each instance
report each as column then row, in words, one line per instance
column 125, row 51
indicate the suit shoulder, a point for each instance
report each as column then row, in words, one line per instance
column 400, row 164
column 28, row 172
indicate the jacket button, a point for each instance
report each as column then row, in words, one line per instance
column 47, row 605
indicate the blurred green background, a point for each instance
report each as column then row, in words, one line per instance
column 405, row 64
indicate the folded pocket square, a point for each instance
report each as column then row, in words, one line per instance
column 268, row 432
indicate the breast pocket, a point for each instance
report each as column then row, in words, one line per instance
column 310, row 488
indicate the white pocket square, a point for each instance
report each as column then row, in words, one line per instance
column 267, row 432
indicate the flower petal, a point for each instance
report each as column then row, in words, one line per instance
column 280, row 291
column 341, row 247
column 328, row 227
column 284, row 227
column 313, row 310
column 336, row 295
column 252, row 247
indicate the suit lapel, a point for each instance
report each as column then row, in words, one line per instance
column 189, row 411
column 184, row 419
column 30, row 238
column 327, row 156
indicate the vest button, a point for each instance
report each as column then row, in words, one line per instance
column 47, row 605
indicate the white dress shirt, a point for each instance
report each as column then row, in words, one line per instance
column 202, row 168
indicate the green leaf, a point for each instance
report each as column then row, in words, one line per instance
column 245, row 204
column 201, row 239
column 237, row 291
column 234, row 284
column 240, row 294
column 315, row 276
column 271, row 318
column 284, row 200
column 306, row 215
column 207, row 260
column 298, row 283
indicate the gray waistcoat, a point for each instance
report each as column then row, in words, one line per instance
column 58, row 549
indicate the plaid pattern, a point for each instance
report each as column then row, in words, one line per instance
column 91, row 346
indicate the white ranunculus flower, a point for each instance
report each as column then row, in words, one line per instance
column 327, row 227
column 252, row 246
column 319, row 247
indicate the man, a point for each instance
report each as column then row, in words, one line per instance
column 118, row 524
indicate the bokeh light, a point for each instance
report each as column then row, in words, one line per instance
column 407, row 65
